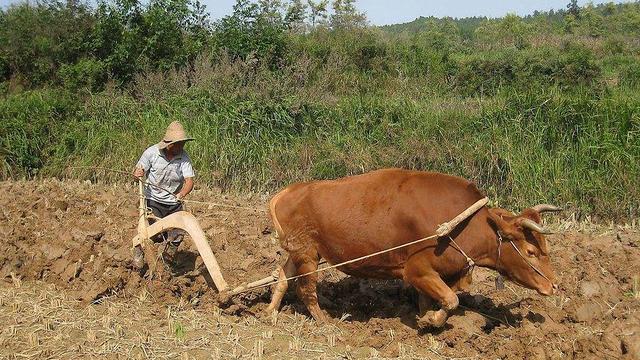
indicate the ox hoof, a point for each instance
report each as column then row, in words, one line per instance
column 268, row 315
column 224, row 298
column 432, row 319
column 321, row 318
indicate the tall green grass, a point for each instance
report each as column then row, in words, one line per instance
column 578, row 148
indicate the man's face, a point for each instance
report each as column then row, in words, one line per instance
column 175, row 148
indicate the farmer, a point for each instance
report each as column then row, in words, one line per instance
column 168, row 167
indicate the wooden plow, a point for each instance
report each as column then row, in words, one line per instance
column 181, row 220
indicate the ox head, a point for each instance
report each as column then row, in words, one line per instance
column 523, row 252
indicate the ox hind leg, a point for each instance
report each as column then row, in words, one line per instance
column 279, row 290
column 429, row 283
column 299, row 263
column 307, row 262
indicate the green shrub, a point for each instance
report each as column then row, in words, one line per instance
column 30, row 125
column 630, row 74
column 577, row 66
column 485, row 73
column 615, row 45
column 86, row 74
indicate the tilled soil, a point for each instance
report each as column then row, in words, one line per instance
column 71, row 241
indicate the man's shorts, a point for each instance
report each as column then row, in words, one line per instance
column 163, row 210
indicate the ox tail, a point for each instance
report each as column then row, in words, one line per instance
column 272, row 212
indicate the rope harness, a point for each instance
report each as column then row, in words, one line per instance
column 530, row 264
column 501, row 240
column 450, row 225
column 470, row 263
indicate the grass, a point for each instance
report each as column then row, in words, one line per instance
column 577, row 147
column 577, row 150
column 179, row 331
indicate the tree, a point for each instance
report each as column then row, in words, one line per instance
column 573, row 8
column 295, row 16
column 270, row 11
column 591, row 22
column 318, row 10
column 609, row 9
column 35, row 40
column 508, row 31
column 346, row 16
column 257, row 29
column 441, row 35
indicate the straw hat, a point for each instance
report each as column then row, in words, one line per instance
column 175, row 133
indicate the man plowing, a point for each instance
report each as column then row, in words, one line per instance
column 169, row 179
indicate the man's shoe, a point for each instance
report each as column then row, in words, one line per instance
column 138, row 257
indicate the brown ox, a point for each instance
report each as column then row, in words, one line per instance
column 344, row 219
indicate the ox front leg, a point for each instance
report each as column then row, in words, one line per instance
column 425, row 304
column 429, row 283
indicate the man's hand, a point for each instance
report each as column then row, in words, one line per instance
column 138, row 172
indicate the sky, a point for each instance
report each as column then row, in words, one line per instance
column 382, row 12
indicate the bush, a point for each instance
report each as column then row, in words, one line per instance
column 577, row 66
column 5, row 72
column 615, row 45
column 630, row 75
column 31, row 123
column 485, row 73
column 88, row 74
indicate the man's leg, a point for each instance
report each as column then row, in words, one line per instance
column 174, row 238
column 160, row 211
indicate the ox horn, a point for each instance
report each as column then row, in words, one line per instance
column 534, row 226
column 542, row 208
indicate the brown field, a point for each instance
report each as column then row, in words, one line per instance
column 68, row 291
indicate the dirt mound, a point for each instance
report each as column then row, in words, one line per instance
column 77, row 236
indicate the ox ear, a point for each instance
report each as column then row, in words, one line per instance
column 504, row 221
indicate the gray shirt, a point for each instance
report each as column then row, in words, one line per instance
column 165, row 174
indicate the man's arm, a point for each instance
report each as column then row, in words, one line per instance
column 143, row 164
column 189, row 174
column 186, row 188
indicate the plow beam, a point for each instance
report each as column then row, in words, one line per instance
column 261, row 282
column 185, row 221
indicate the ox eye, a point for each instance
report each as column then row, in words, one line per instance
column 531, row 253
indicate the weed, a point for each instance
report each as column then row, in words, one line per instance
column 635, row 289
column 179, row 331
